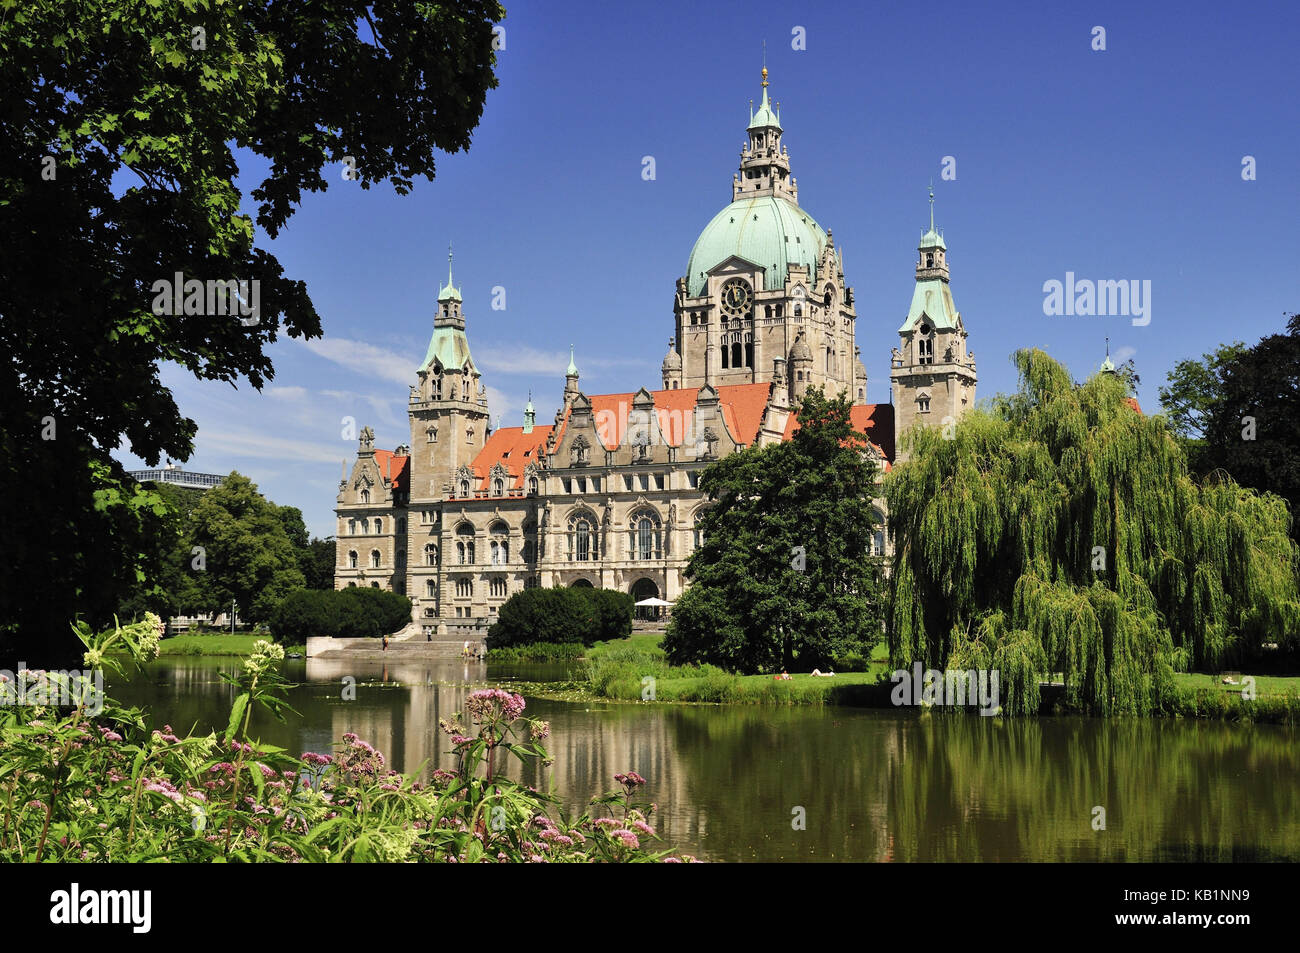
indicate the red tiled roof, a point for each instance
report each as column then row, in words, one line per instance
column 396, row 469
column 742, row 407
column 876, row 421
column 514, row 450
column 1132, row 402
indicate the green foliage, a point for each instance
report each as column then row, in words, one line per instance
column 141, row 124
column 93, row 784
column 1260, row 386
column 249, row 557
column 353, row 613
column 562, row 615
column 785, row 571
column 1193, row 389
column 537, row 652
column 1059, row 532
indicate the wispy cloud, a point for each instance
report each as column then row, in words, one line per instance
column 1123, row 354
column 363, row 358
column 260, row 445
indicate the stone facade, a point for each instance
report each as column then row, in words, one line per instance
column 607, row 494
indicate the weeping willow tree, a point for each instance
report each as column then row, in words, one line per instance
column 1058, row 531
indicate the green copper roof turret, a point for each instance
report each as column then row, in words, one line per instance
column 765, row 116
column 449, row 293
column 572, row 370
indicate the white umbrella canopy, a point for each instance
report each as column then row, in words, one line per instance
column 653, row 601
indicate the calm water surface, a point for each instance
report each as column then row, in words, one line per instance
column 873, row 785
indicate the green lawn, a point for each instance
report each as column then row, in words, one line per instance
column 237, row 644
column 1264, row 684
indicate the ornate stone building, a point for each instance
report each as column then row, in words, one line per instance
column 607, row 493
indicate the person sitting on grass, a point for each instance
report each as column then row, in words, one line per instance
column 783, row 677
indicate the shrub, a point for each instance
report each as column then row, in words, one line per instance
column 346, row 613
column 562, row 615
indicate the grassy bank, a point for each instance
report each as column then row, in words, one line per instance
column 238, row 644
column 622, row 671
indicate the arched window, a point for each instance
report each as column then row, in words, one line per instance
column 726, row 354
column 464, row 487
column 374, row 559
column 929, row 260
column 582, row 539
column 365, row 527
column 878, row 538
column 749, row 354
column 352, row 585
column 798, row 310
column 465, row 545
column 532, row 486
column 923, row 404
column 767, row 311
column 430, row 554
column 365, row 496
column 352, row 559
column 437, row 395
column 374, row 585
column 697, row 533
column 499, row 544
column 430, row 588
column 830, row 361
column 826, row 298
column 498, row 487
column 379, row 525
column 352, row 527
column 646, row 539
column 736, row 356
column 464, row 588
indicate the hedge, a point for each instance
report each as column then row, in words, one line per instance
column 562, row 615
column 345, row 613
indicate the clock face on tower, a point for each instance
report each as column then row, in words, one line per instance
column 737, row 298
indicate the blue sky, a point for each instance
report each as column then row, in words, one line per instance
column 1116, row 164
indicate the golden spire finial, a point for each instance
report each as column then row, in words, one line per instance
column 764, row 75
column 765, row 64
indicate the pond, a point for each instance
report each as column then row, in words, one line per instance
column 809, row 784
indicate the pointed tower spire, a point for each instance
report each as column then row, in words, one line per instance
column 764, row 163
column 932, row 205
column 570, row 380
column 530, row 413
column 450, row 292
column 1107, row 366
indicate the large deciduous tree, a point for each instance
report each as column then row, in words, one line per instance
column 1252, row 427
column 1193, row 388
column 785, row 575
column 1059, row 532
column 249, row 556
column 121, row 122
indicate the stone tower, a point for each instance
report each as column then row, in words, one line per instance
column 932, row 374
column 761, row 276
column 448, row 407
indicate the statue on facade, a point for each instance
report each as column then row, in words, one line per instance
column 367, row 438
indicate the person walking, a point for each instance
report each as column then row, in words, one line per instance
column 385, row 643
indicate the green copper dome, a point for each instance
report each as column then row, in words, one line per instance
column 769, row 231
